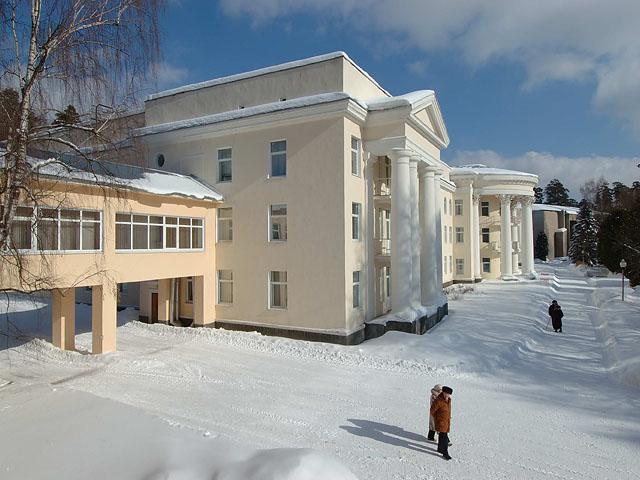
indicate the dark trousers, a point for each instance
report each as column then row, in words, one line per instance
column 443, row 443
column 431, row 435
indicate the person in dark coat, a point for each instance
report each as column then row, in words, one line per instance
column 441, row 411
column 555, row 312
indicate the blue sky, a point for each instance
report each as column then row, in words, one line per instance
column 559, row 107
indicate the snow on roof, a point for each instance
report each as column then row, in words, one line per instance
column 124, row 176
column 554, row 208
column 406, row 100
column 263, row 71
column 481, row 169
column 245, row 112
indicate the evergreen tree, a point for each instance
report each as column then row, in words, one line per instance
column 584, row 240
column 556, row 193
column 619, row 238
column 541, row 249
column 604, row 198
column 538, row 194
column 68, row 116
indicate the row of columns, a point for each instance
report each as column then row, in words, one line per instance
column 511, row 230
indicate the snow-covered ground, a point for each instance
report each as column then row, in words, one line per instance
column 204, row 403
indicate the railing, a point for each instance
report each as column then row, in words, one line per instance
column 382, row 187
column 383, row 246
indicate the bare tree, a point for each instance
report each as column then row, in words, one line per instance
column 93, row 53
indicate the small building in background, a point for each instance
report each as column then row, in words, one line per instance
column 557, row 223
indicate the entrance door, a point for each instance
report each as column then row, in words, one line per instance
column 154, row 307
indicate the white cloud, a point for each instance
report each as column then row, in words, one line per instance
column 568, row 40
column 418, row 68
column 167, row 75
column 571, row 171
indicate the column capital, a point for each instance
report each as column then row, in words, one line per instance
column 426, row 170
column 400, row 153
column 476, row 198
column 505, row 199
column 526, row 200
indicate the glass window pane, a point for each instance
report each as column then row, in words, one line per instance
column 90, row 236
column 356, row 277
column 21, row 234
column 171, row 221
column 355, row 143
column 196, row 221
column 70, row 214
column 88, row 215
column 196, row 238
column 47, row 213
column 156, row 219
column 47, row 235
column 225, row 171
column 123, row 217
column 24, row 212
column 224, row 213
column 185, row 221
column 185, row 237
column 224, row 153
column 226, row 292
column 225, row 274
column 123, row 237
column 279, row 146
column 140, row 219
column 170, row 241
column 69, row 235
column 278, row 165
column 140, row 237
column 278, row 209
column 155, row 237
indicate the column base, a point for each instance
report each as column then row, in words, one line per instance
column 508, row 278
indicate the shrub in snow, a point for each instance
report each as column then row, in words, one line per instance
column 541, row 249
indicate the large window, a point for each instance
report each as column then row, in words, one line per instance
column 52, row 229
column 459, row 266
column 356, row 289
column 450, row 234
column 225, row 224
column 224, row 165
column 157, row 232
column 484, row 206
column 279, row 158
column 450, row 264
column 444, row 264
column 277, row 289
column 459, row 235
column 189, row 298
column 355, row 156
column 225, row 286
column 444, row 206
column 486, row 265
column 485, row 235
column 355, row 220
column 458, row 207
column 278, row 222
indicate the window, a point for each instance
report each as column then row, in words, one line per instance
column 387, row 277
column 156, row 232
column 485, row 209
column 444, row 264
column 189, row 298
column 224, row 165
column 355, row 156
column 160, row 160
column 450, row 209
column 459, row 266
column 459, row 235
column 21, row 228
column 450, row 234
column 356, row 289
column 225, row 286
column 458, row 207
column 486, row 265
column 279, row 158
column 445, row 233
column 485, row 235
column 445, row 205
column 278, row 221
column 54, row 229
column 225, row 225
column 278, row 290
column 355, row 221
column 450, row 264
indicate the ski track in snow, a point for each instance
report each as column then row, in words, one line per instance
column 528, row 403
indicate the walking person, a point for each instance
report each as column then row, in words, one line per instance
column 441, row 412
column 435, row 391
column 555, row 312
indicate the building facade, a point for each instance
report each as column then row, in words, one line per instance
column 557, row 223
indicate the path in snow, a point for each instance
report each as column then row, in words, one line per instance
column 528, row 403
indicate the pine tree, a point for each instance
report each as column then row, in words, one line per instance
column 584, row 239
column 68, row 116
column 538, row 194
column 604, row 198
column 541, row 249
column 556, row 193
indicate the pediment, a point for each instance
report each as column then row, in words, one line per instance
column 427, row 114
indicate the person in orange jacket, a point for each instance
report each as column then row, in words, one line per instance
column 441, row 412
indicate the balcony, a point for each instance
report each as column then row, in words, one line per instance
column 382, row 187
column 383, row 246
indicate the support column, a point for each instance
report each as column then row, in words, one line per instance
column 400, row 230
column 415, row 232
column 527, row 237
column 505, row 237
column 63, row 318
column 428, row 247
column 477, row 261
column 437, row 199
column 515, row 259
column 370, row 312
column 104, row 299
column 203, row 305
column 164, row 300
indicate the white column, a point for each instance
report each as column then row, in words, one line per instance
column 527, row 237
column 505, row 237
column 428, row 247
column 515, row 259
column 415, row 232
column 437, row 198
column 370, row 226
column 475, row 245
column 400, row 230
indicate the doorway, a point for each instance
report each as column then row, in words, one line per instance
column 154, row 308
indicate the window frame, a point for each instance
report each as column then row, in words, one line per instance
column 487, row 233
column 459, row 266
column 271, row 224
column 224, row 219
column 286, row 158
column 486, row 262
column 224, row 160
column 458, row 208
column 484, row 205
column 271, row 284
column 358, row 156
column 165, row 227
column 188, row 297
column 357, row 217
column 459, row 234
column 356, row 291
column 219, row 300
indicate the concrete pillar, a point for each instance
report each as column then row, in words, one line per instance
column 428, row 248
column 104, row 300
column 437, row 199
column 400, row 230
column 203, row 304
column 63, row 318
column 506, row 269
column 475, row 244
column 415, row 232
column 370, row 273
column 528, row 265
column 164, row 300
column 515, row 259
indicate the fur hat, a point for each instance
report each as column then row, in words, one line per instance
column 448, row 390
